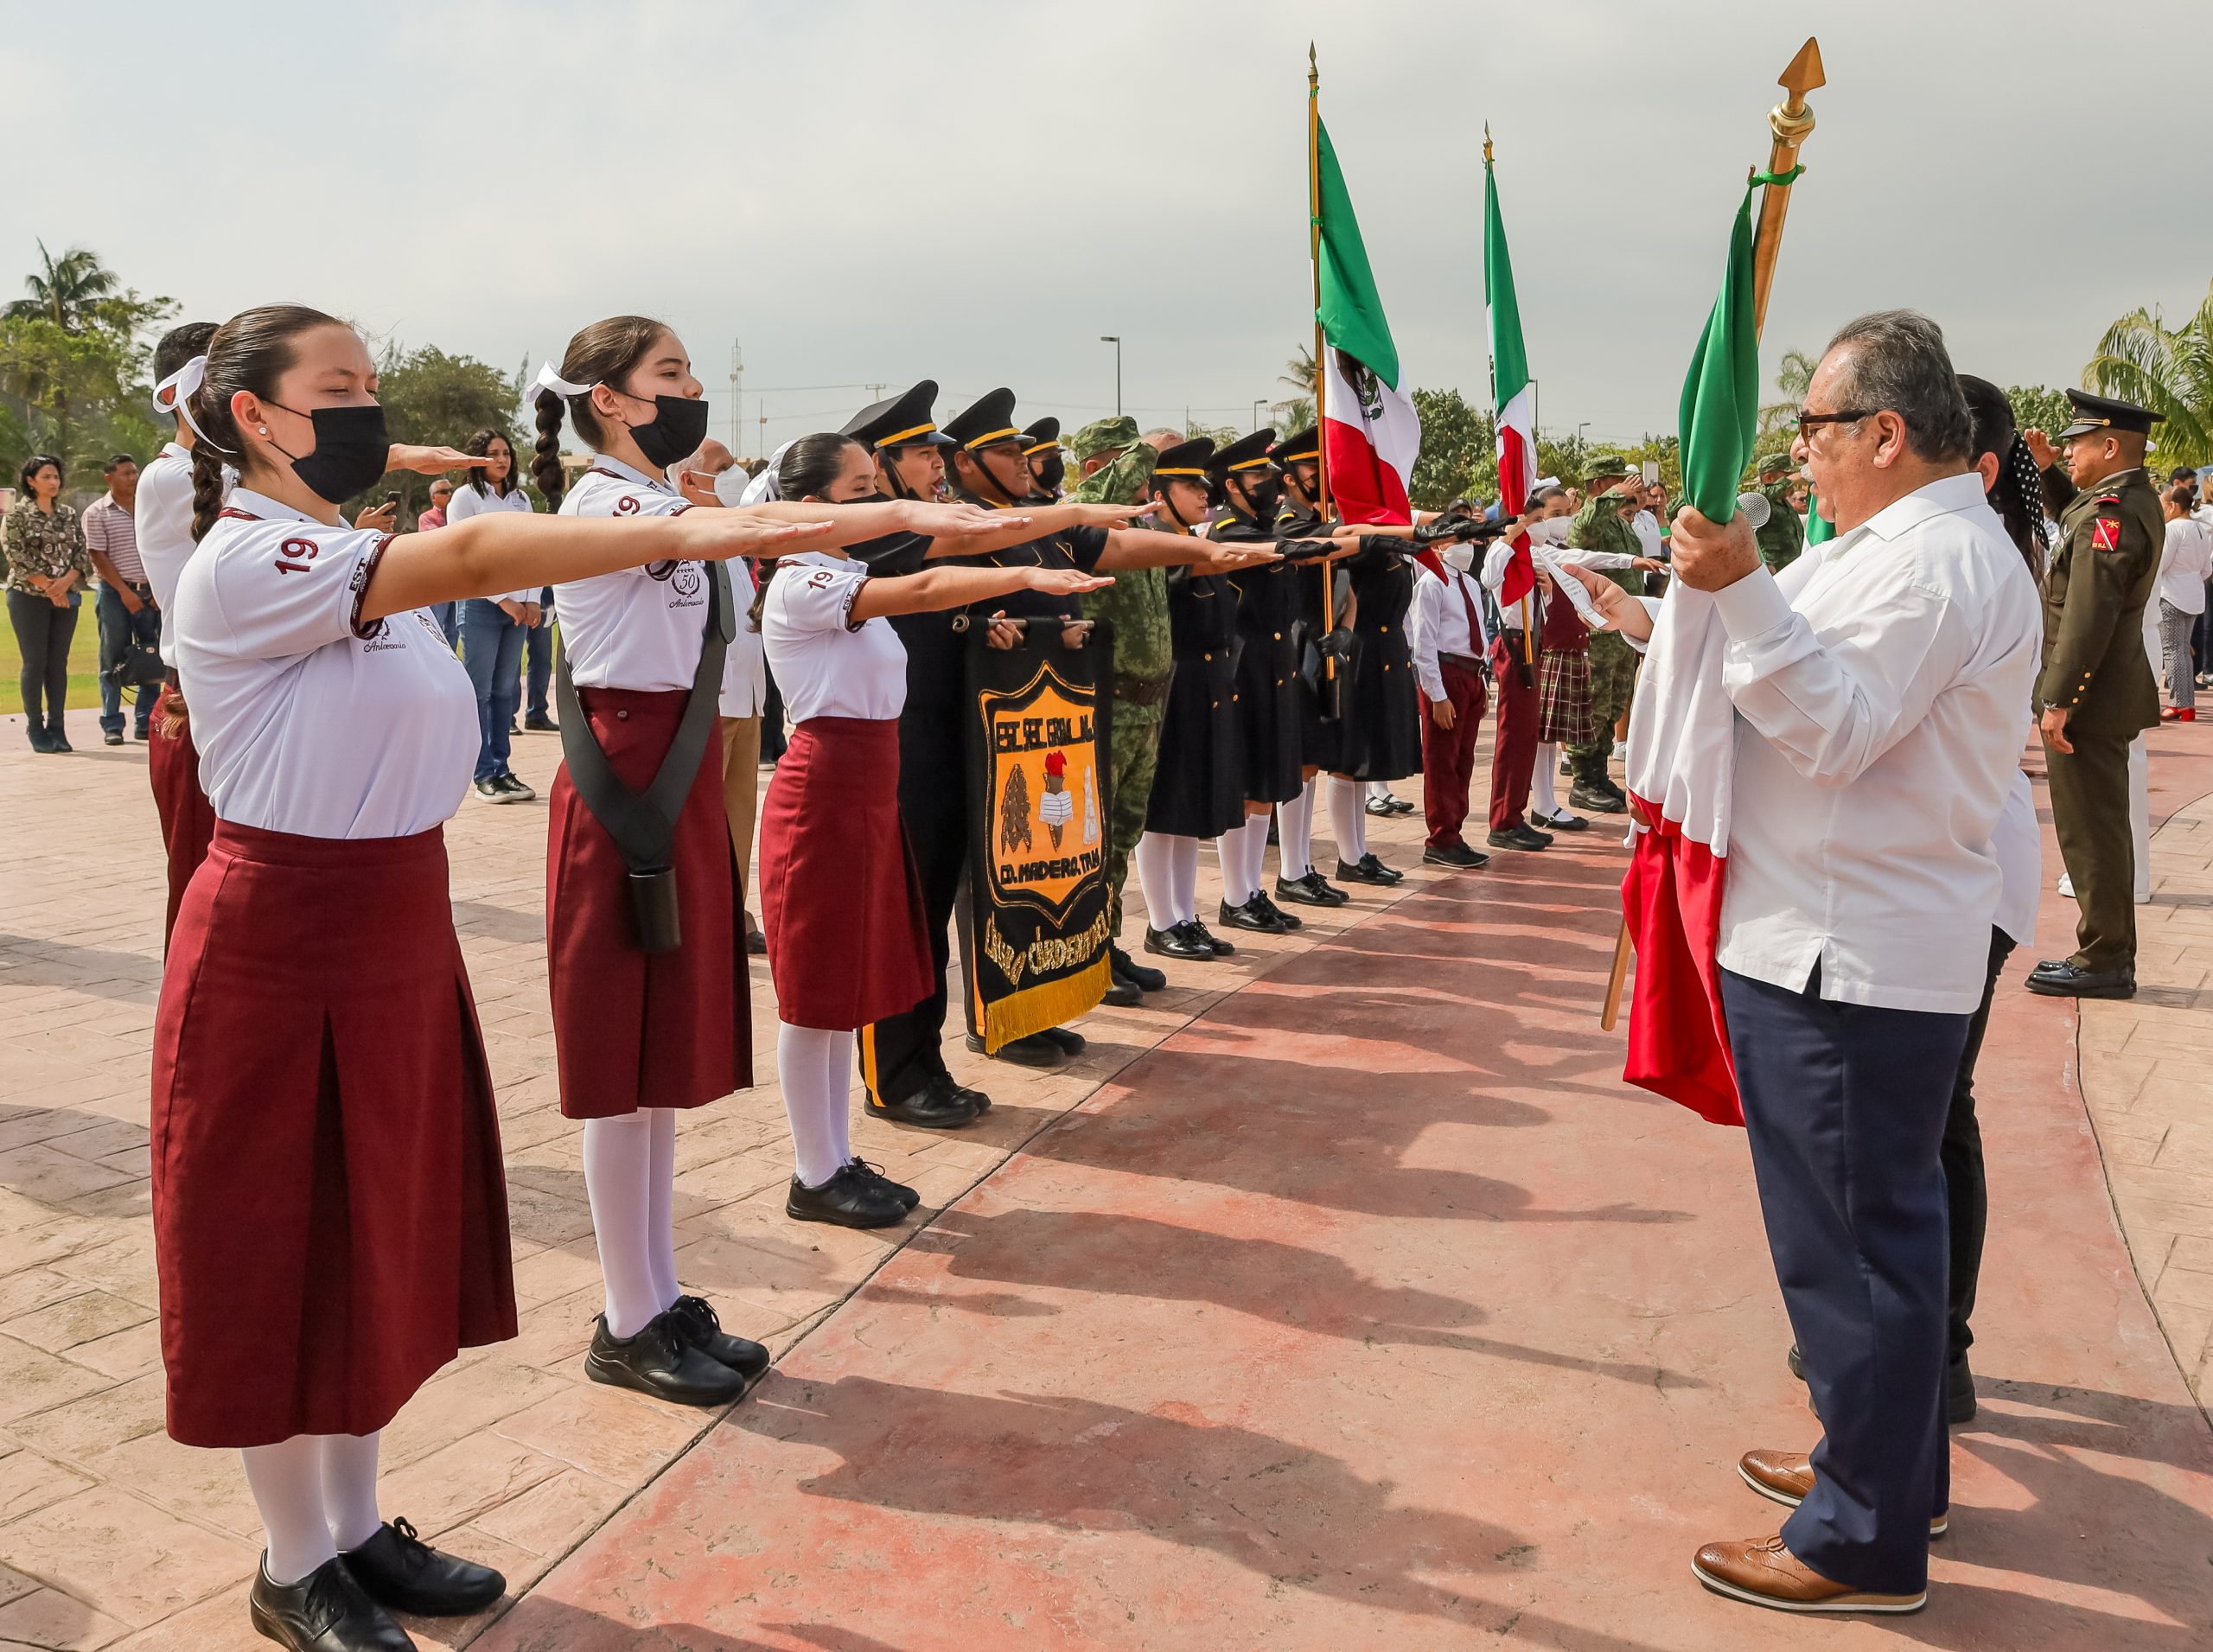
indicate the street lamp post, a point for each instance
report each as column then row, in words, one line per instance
column 1260, row 404
column 1115, row 338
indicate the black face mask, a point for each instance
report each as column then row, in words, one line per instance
column 892, row 555
column 1265, row 496
column 1050, row 473
column 678, row 428
column 352, row 451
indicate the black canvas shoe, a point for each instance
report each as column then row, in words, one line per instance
column 1143, row 977
column 695, row 1317
column 1251, row 915
column 1221, row 949
column 660, row 1362
column 1368, row 869
column 400, row 1571
column 939, row 1105
column 852, row 1198
column 327, row 1611
column 898, row 1190
column 1033, row 1050
column 1312, row 889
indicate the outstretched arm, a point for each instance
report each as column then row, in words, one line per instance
column 942, row 588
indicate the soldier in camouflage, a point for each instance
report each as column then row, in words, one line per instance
column 1614, row 492
column 1116, row 467
column 1784, row 539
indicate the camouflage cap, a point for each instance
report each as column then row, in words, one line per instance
column 1103, row 436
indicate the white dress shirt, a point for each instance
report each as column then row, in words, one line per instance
column 746, row 668
column 163, row 513
column 2185, row 563
column 1440, row 624
column 1881, row 685
column 641, row 627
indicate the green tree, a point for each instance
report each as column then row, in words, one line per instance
column 65, row 292
column 2036, row 407
column 433, row 398
column 2169, row 370
column 1459, row 451
column 81, row 391
column 1794, row 374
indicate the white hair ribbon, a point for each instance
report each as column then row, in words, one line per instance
column 758, row 489
column 548, row 378
column 175, row 393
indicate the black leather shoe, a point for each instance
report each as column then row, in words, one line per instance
column 1207, row 938
column 57, row 742
column 1608, row 801
column 1455, row 855
column 112, row 736
column 1379, row 806
column 659, row 1362
column 974, row 1097
column 1177, row 943
column 898, row 1190
column 1959, row 1391
column 696, row 1318
column 400, row 1572
column 1562, row 821
column 1251, row 915
column 1289, row 920
column 852, row 1198
column 540, row 725
column 1312, row 889
column 2063, row 978
column 1122, row 995
column 1036, row 1050
column 327, row 1611
column 1072, row 1043
column 1368, row 869
column 1520, row 837
column 939, row 1105
column 1399, row 806
column 1143, row 977
column 756, row 944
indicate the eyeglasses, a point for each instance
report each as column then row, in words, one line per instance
column 1849, row 416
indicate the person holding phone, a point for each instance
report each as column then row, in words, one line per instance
column 492, row 628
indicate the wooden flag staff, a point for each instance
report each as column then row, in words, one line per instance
column 1789, row 122
column 1321, row 432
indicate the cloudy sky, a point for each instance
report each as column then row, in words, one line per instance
column 864, row 193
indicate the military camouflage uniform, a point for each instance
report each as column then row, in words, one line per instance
column 1598, row 526
column 1785, row 537
column 1137, row 605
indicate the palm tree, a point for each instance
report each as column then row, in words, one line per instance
column 2168, row 370
column 1298, row 373
column 69, row 286
column 1793, row 374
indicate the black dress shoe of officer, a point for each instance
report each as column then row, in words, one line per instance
column 1289, row 920
column 1520, row 837
column 327, row 1611
column 697, row 1320
column 1251, row 915
column 1035, row 1050
column 1312, row 889
column 1455, row 855
column 898, row 1190
column 1143, row 977
column 939, row 1105
column 2063, row 978
column 1072, row 1043
column 1177, row 942
column 402, row 1574
column 1368, row 869
column 1122, row 995
column 1608, row 801
column 1220, row 948
column 852, row 1198
column 660, row 1361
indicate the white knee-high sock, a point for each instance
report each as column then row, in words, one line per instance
column 1183, row 878
column 618, row 1170
column 1256, row 848
column 1155, row 857
column 1346, row 818
column 804, row 1057
column 1544, row 798
column 660, row 1204
column 286, row 1480
column 1295, row 834
column 1379, row 790
column 1229, row 849
column 837, row 1080
column 350, row 1488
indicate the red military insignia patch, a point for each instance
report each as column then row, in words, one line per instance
column 2106, row 536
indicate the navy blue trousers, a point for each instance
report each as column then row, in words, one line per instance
column 1845, row 1108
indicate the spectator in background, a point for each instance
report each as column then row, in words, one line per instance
column 47, row 568
column 538, row 669
column 448, row 614
column 128, row 618
column 2185, row 561
column 492, row 627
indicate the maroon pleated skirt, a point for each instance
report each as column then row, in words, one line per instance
column 188, row 819
column 330, row 1216
column 630, row 1031
column 840, row 900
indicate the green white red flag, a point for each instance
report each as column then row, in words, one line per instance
column 1511, row 391
column 1370, row 433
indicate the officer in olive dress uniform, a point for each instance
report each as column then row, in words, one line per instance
column 2097, row 693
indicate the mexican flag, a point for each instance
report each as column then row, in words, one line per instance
column 1510, row 391
column 1370, row 434
column 1683, row 743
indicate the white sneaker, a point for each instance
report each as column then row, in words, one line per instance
column 2067, row 888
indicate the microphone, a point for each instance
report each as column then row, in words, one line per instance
column 1754, row 508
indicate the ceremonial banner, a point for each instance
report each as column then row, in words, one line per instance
column 1036, row 934
column 1511, row 391
column 1818, row 528
column 1682, row 742
column 1370, row 434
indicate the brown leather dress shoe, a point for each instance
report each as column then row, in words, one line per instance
column 1786, row 1476
column 1761, row 1572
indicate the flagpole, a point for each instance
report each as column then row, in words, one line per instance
column 1789, row 122
column 1321, row 434
column 1528, row 640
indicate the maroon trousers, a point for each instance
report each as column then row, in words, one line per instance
column 1513, row 759
column 188, row 819
column 1448, row 755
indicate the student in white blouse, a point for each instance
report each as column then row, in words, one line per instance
column 492, row 628
column 2185, row 563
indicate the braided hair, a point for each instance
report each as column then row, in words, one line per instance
column 249, row 352
column 606, row 352
column 2018, row 493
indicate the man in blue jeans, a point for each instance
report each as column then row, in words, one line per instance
column 538, row 669
column 125, row 605
column 492, row 631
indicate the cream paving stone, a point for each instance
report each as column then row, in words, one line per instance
column 29, row 1481
column 50, row 1619
column 83, row 1318
column 123, row 1556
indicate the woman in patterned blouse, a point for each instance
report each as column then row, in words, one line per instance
column 47, row 569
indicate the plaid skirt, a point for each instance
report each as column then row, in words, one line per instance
column 1564, row 699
